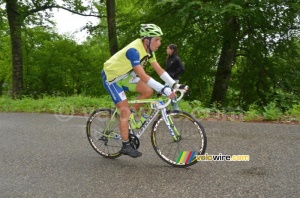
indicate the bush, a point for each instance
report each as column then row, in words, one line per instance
column 271, row 112
column 83, row 105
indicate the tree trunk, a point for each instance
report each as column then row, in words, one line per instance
column 226, row 61
column 1, row 86
column 111, row 21
column 15, row 24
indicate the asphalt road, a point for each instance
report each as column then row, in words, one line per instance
column 43, row 155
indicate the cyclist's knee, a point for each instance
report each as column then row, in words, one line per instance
column 124, row 109
column 147, row 91
column 144, row 89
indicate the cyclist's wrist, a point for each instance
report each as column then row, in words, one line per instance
column 166, row 90
column 175, row 86
column 167, row 79
column 155, row 85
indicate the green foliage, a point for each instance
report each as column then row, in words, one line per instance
column 75, row 105
column 294, row 112
column 85, row 105
column 265, row 71
column 271, row 112
column 56, row 64
column 5, row 58
column 198, row 109
column 253, row 114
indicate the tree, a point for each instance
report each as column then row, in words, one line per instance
column 112, row 30
column 210, row 32
column 56, row 65
column 15, row 20
column 17, row 12
column 230, row 45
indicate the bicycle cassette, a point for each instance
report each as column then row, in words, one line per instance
column 134, row 141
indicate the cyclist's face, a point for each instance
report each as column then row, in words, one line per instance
column 155, row 43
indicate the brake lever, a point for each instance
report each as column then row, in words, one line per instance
column 187, row 93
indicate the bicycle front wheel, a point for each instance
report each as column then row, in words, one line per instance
column 103, row 133
column 188, row 141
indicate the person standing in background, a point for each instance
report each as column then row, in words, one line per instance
column 174, row 67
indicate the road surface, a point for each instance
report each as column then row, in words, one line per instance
column 45, row 155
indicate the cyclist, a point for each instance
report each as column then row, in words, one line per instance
column 124, row 72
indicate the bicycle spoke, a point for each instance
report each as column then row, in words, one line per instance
column 103, row 133
column 190, row 138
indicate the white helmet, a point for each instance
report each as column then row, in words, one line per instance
column 150, row 30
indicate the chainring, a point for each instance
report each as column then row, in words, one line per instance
column 134, row 141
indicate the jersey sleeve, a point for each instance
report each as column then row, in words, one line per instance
column 133, row 56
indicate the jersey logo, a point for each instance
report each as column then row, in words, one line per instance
column 144, row 60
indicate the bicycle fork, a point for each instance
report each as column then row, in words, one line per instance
column 169, row 122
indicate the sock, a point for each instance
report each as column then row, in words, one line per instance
column 125, row 142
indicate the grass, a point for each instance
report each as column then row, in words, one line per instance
column 84, row 105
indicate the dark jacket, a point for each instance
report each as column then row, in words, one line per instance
column 174, row 67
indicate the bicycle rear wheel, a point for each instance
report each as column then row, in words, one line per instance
column 103, row 133
column 190, row 139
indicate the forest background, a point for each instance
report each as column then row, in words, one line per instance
column 240, row 56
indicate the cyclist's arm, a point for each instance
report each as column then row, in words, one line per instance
column 159, row 70
column 139, row 70
column 163, row 74
column 134, row 58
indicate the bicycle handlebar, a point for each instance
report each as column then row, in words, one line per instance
column 182, row 91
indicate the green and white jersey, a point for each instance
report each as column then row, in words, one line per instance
column 121, row 64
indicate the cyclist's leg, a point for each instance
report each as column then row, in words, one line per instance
column 118, row 96
column 144, row 90
column 127, row 149
column 124, row 110
column 116, row 91
column 134, row 84
column 145, row 93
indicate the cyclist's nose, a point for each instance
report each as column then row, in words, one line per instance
column 159, row 43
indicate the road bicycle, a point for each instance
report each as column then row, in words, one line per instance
column 176, row 136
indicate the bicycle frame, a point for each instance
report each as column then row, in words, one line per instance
column 159, row 106
column 148, row 121
column 154, row 102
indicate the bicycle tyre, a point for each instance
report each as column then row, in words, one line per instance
column 192, row 140
column 108, row 142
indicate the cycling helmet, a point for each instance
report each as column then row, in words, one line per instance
column 150, row 30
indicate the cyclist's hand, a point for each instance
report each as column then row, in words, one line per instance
column 168, row 92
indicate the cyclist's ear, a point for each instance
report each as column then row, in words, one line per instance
column 146, row 40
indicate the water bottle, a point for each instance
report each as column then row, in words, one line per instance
column 137, row 124
column 133, row 123
column 144, row 117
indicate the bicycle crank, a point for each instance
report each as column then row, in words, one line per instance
column 134, row 141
